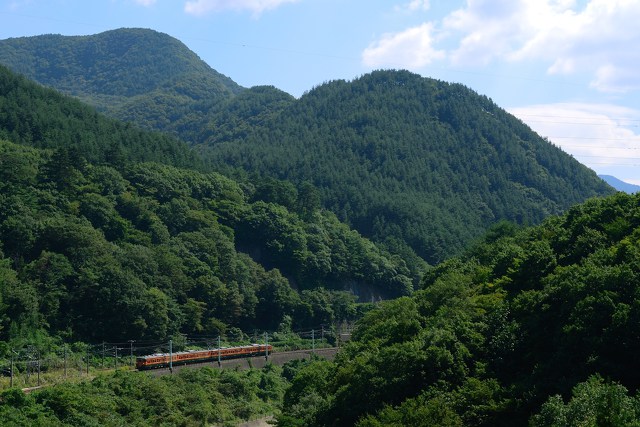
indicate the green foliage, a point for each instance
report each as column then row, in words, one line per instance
column 500, row 335
column 138, row 75
column 101, row 244
column 193, row 397
column 593, row 403
column 474, row 403
column 103, row 237
column 35, row 116
column 405, row 160
column 390, row 153
column 308, row 395
column 97, row 254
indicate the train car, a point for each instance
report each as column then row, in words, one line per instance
column 163, row 360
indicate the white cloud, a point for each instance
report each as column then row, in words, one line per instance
column 599, row 38
column 412, row 49
column 414, row 5
column 601, row 136
column 486, row 29
column 203, row 7
column 146, row 3
column 612, row 79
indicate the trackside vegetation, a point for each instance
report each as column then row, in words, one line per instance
column 196, row 397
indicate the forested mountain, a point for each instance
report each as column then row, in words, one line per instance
column 136, row 75
column 420, row 165
column 537, row 325
column 103, row 236
column 43, row 118
column 408, row 160
column 108, row 232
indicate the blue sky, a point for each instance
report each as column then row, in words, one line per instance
column 569, row 68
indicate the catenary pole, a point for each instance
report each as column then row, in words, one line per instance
column 171, row 356
column 131, row 350
column 11, row 381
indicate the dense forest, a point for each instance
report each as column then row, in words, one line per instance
column 141, row 76
column 283, row 214
column 193, row 398
column 530, row 326
column 407, row 160
column 35, row 116
column 97, row 244
column 421, row 166
column 537, row 325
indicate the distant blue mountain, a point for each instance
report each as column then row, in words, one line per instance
column 620, row 185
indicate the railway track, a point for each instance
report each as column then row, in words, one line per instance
column 278, row 358
column 258, row 362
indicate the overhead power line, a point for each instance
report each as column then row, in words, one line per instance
column 555, row 116
column 607, row 157
column 586, row 123
column 592, row 138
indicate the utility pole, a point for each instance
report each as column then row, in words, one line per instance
column 11, row 381
column 102, row 354
column 171, row 356
column 65, row 361
column 87, row 361
column 38, row 368
column 31, row 354
column 131, row 350
column 219, row 351
column 115, row 361
column 266, row 346
column 313, row 340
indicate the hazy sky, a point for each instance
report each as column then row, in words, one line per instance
column 567, row 68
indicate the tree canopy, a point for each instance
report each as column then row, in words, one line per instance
column 536, row 324
column 103, row 236
column 405, row 160
column 421, row 166
column 133, row 74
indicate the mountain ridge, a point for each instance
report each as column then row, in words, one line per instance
column 133, row 74
column 109, row 231
column 394, row 149
column 421, row 165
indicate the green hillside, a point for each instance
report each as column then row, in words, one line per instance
column 43, row 118
column 132, row 74
column 536, row 325
column 103, row 236
column 421, row 166
column 109, row 232
column 405, row 159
